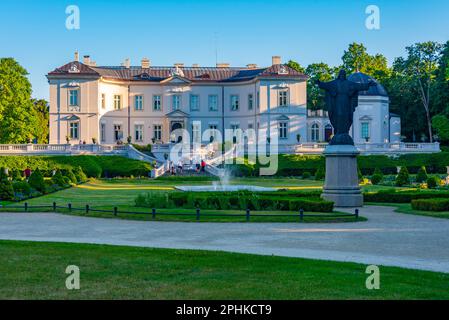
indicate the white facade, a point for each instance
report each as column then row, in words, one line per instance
column 149, row 105
column 110, row 104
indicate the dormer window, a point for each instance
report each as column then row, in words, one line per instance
column 283, row 70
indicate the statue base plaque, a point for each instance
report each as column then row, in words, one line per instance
column 342, row 182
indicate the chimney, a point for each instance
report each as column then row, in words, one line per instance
column 179, row 65
column 86, row 60
column 251, row 66
column 222, row 65
column 77, row 56
column 276, row 60
column 145, row 63
column 127, row 63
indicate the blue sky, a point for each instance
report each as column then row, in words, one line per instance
column 34, row 32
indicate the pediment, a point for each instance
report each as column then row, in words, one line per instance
column 176, row 80
column 177, row 114
column 283, row 117
column 366, row 118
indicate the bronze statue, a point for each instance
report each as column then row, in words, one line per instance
column 341, row 101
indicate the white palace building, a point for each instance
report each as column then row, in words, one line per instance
column 108, row 104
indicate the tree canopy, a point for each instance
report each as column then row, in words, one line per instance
column 21, row 118
column 417, row 84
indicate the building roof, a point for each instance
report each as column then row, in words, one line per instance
column 193, row 74
column 377, row 90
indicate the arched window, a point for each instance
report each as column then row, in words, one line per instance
column 315, row 132
column 328, row 132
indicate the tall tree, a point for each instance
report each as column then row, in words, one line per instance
column 315, row 96
column 17, row 113
column 441, row 93
column 420, row 67
column 296, row 66
column 357, row 59
column 42, row 120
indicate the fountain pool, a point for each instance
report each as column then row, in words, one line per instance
column 219, row 187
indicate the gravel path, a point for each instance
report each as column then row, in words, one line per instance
column 387, row 238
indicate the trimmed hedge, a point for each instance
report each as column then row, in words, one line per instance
column 390, row 196
column 259, row 201
column 296, row 165
column 93, row 166
column 431, row 204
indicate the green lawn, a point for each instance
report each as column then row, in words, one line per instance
column 120, row 193
column 36, row 270
column 105, row 194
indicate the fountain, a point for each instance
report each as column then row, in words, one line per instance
column 223, row 185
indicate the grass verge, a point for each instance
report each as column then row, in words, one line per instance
column 36, row 270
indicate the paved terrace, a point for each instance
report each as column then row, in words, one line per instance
column 387, row 238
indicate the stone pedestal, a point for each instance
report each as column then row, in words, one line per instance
column 342, row 182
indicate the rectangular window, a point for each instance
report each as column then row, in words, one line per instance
column 196, row 134
column 157, row 103
column 176, row 102
column 73, row 98
column 250, row 102
column 117, row 102
column 74, row 130
column 138, row 132
column 258, row 100
column 118, row 132
column 138, row 103
column 365, row 131
column 283, row 129
column 103, row 132
column 213, row 102
column 157, row 132
column 103, row 101
column 213, row 132
column 234, row 102
column 194, row 102
column 283, row 98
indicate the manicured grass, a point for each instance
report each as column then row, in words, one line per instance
column 407, row 208
column 36, row 270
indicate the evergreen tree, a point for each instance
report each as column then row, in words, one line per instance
column 6, row 188
column 403, row 177
column 421, row 176
column 36, row 181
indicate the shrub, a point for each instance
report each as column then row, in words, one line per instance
column 69, row 174
column 36, row 181
column 58, row 179
column 431, row 204
column 422, row 175
column 403, row 177
column 6, row 188
column 306, row 175
column 377, row 177
column 432, row 182
column 283, row 201
column 320, row 174
column 22, row 187
column 79, row 174
column 16, row 175
column 391, row 196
